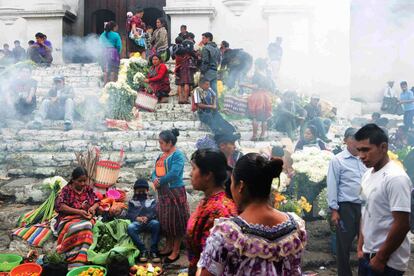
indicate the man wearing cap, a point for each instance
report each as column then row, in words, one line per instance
column 314, row 117
column 227, row 145
column 344, row 185
column 57, row 105
column 142, row 213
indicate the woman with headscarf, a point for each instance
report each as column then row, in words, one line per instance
column 159, row 39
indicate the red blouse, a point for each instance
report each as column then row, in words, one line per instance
column 202, row 220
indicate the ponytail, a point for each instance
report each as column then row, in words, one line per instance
column 109, row 26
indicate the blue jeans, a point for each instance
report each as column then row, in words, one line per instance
column 408, row 119
column 364, row 269
column 153, row 227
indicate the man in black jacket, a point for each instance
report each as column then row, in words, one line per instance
column 142, row 213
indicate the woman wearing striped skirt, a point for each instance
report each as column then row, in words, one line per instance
column 173, row 209
column 76, row 206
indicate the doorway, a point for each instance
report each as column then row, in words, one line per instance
column 151, row 15
column 99, row 18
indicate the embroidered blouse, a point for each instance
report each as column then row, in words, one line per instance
column 236, row 247
column 202, row 220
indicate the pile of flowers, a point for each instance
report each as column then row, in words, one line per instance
column 312, row 162
column 288, row 204
column 119, row 97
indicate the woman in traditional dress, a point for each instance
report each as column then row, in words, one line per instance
column 173, row 209
column 310, row 139
column 185, row 66
column 158, row 79
column 76, row 206
column 260, row 102
column 111, row 41
column 159, row 39
column 208, row 174
column 261, row 240
column 136, row 28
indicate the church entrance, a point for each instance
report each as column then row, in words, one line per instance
column 99, row 11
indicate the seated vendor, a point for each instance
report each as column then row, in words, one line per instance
column 76, row 206
column 142, row 213
column 310, row 139
column 227, row 145
column 158, row 79
column 23, row 91
column 314, row 117
column 57, row 105
column 205, row 101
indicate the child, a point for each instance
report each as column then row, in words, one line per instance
column 142, row 213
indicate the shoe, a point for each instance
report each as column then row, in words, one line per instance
column 144, row 257
column 170, row 261
column 155, row 258
column 67, row 126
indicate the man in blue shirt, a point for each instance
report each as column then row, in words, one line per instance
column 407, row 101
column 344, row 186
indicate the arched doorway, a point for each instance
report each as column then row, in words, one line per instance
column 151, row 15
column 99, row 18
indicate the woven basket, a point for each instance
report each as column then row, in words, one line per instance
column 107, row 172
column 146, row 101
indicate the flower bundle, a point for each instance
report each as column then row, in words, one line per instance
column 136, row 71
column 120, row 100
column 322, row 202
column 312, row 162
column 280, row 184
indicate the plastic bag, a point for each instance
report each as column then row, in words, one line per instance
column 124, row 245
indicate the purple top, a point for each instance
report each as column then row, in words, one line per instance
column 236, row 247
column 42, row 50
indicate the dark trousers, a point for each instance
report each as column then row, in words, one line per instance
column 216, row 122
column 346, row 231
column 153, row 227
column 364, row 269
column 408, row 118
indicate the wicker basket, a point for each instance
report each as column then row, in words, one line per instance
column 107, row 172
column 146, row 101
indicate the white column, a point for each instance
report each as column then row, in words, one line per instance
column 197, row 15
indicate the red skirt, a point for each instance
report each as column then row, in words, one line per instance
column 259, row 105
column 173, row 211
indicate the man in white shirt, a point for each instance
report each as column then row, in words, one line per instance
column 383, row 246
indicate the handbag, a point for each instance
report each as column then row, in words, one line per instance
column 146, row 101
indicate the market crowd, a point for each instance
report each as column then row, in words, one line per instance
column 234, row 230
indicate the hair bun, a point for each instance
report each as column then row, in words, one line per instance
column 176, row 132
column 274, row 167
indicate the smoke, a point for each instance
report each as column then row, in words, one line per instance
column 82, row 49
column 381, row 46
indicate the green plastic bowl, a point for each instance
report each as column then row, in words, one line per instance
column 79, row 270
column 9, row 261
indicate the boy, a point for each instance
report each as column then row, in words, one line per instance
column 142, row 213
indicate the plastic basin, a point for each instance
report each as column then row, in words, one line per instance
column 9, row 261
column 26, row 269
column 79, row 270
